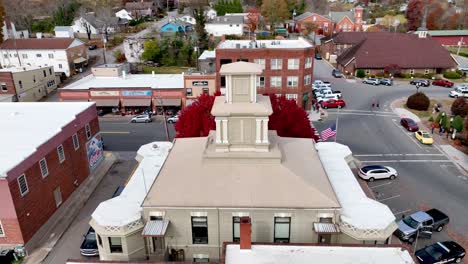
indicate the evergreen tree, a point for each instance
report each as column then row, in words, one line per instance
column 200, row 29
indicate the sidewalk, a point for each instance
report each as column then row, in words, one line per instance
column 48, row 235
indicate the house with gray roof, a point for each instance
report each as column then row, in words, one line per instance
column 97, row 25
column 226, row 25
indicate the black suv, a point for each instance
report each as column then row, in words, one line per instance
column 420, row 82
column 387, row 82
column 337, row 73
column 318, row 56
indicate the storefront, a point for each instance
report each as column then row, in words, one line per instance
column 136, row 101
column 106, row 101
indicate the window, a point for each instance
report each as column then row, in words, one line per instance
column 426, row 71
column 206, row 91
column 260, row 62
column 23, row 185
column 276, row 64
column 60, row 66
column 16, row 55
column 61, row 153
column 76, row 143
column 411, row 71
column 275, row 81
column 260, row 81
column 189, row 91
column 2, row 233
column 235, row 228
column 5, row 56
column 38, row 55
column 88, row 131
column 230, row 25
column 44, row 169
column 199, row 230
column 201, row 258
column 51, row 56
column 282, row 229
column 45, row 73
column 307, row 79
column 292, row 81
column 115, row 244
column 308, row 63
column 314, row 18
column 291, row 96
column 293, row 64
column 50, row 71
column 99, row 239
column 25, row 56
column 20, row 84
column 58, row 197
column 4, row 87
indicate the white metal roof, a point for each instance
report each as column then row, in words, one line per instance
column 26, row 126
column 158, row 81
column 299, row 43
column 284, row 254
column 23, row 68
column 155, row 228
column 126, row 208
column 207, row 54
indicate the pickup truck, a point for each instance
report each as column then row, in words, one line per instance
column 421, row 224
column 321, row 98
column 320, row 84
column 331, row 92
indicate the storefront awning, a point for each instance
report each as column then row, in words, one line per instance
column 326, row 228
column 137, row 102
column 106, row 102
column 170, row 102
column 79, row 60
column 75, row 99
column 156, row 228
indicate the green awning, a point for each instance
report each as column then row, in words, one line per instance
column 281, row 30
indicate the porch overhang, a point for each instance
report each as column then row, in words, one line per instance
column 155, row 228
column 326, row 228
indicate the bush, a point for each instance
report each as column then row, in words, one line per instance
column 459, row 107
column 431, row 119
column 441, row 119
column 418, row 101
column 458, row 123
column 119, row 56
column 452, row 75
column 429, row 75
column 360, row 73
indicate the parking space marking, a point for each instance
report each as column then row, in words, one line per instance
column 380, row 185
column 115, row 132
column 388, row 198
column 402, row 212
column 403, row 154
column 404, row 161
column 410, row 137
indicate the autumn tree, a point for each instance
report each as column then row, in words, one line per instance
column 288, row 119
column 414, row 13
column 202, row 35
column 275, row 11
column 2, row 18
column 459, row 107
column 253, row 19
column 308, row 28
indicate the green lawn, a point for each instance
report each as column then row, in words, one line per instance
column 463, row 51
column 164, row 69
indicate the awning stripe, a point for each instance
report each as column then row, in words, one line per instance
column 137, row 102
column 326, row 228
column 156, row 228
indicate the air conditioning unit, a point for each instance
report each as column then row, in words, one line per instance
column 238, row 45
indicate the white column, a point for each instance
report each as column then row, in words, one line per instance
column 225, row 131
column 218, row 131
column 265, row 131
column 253, row 97
column 258, row 138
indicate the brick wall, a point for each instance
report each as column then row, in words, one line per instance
column 7, row 78
column 324, row 25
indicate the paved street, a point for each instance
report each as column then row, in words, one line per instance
column 427, row 178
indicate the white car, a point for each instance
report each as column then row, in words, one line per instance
column 459, row 91
column 141, row 119
column 172, row 119
column 372, row 81
column 326, row 97
column 375, row 172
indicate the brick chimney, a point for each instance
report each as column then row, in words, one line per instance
column 245, row 233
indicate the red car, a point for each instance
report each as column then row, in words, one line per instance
column 409, row 124
column 333, row 103
column 444, row 83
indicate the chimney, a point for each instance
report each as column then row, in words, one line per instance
column 152, row 74
column 245, row 233
column 39, row 35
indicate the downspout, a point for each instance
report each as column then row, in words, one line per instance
column 219, row 238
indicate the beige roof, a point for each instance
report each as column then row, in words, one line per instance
column 187, row 179
column 261, row 108
column 241, row 67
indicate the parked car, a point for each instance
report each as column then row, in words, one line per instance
column 89, row 246
column 375, row 172
column 318, row 56
column 337, row 73
column 172, row 119
column 386, row 81
column 372, row 81
column 421, row 82
column 459, row 91
column 409, row 124
column 326, row 97
column 92, row 47
column 332, row 103
column 141, row 119
column 320, row 91
column 421, row 224
column 424, row 137
column 441, row 252
column 7, row 256
column 444, row 83
column 321, row 84
column 331, row 92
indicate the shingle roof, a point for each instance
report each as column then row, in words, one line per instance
column 380, row 49
column 302, row 16
column 35, row 44
column 338, row 16
column 228, row 20
column 139, row 5
column 97, row 23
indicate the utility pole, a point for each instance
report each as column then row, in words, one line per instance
column 460, row 43
column 160, row 102
column 336, row 124
column 104, row 40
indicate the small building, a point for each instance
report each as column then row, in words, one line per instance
column 450, row 37
column 124, row 14
column 43, row 161
column 66, row 55
column 210, row 13
column 96, row 26
column 139, row 9
column 226, row 25
column 64, row 32
column 207, row 61
column 176, row 25
column 28, row 84
column 198, row 83
column 9, row 30
column 133, row 49
column 114, row 90
column 188, row 19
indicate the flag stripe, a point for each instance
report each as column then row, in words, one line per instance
column 328, row 133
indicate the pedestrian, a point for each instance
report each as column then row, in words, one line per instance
column 440, row 130
column 432, row 127
column 378, row 103
column 313, row 103
column 373, row 103
column 318, row 107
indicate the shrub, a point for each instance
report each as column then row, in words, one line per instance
column 442, row 119
column 458, row 123
column 452, row 75
column 431, row 119
column 418, row 75
column 460, row 107
column 429, row 75
column 418, row 101
column 360, row 73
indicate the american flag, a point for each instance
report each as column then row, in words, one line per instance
column 328, row 133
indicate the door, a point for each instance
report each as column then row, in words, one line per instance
column 58, row 197
column 426, row 230
column 158, row 244
column 324, row 239
column 379, row 174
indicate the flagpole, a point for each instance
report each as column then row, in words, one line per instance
column 336, row 123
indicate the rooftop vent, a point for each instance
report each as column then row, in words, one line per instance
column 155, row 146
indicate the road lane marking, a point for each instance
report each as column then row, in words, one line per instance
column 380, row 185
column 359, row 114
column 388, row 198
column 402, row 212
column 392, row 155
column 403, row 161
column 115, row 132
column 365, row 111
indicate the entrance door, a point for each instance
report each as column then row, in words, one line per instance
column 324, row 239
column 158, row 244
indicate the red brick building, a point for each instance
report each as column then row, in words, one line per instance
column 288, row 65
column 333, row 22
column 450, row 37
column 42, row 162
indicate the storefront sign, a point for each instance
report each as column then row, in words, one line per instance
column 136, row 93
column 94, row 151
column 200, row 83
column 104, row 93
